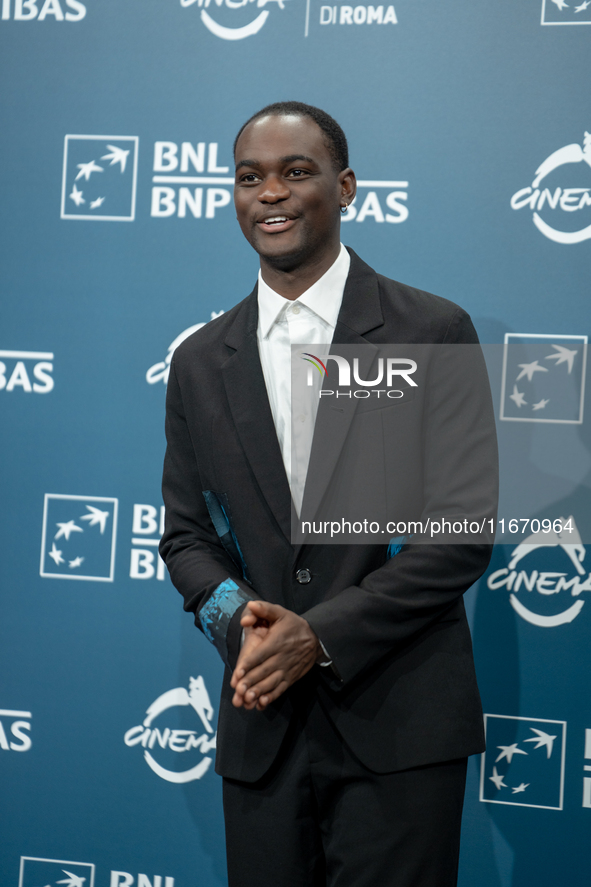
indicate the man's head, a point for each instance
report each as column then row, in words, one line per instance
column 292, row 180
column 335, row 138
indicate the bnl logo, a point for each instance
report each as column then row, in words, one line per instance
column 99, row 178
column 78, row 537
column 35, row 871
column 145, row 560
column 55, row 873
column 523, row 764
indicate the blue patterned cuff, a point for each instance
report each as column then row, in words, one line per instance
column 216, row 614
column 395, row 546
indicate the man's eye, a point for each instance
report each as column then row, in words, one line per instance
column 298, row 172
column 249, row 178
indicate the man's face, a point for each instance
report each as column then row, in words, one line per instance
column 287, row 192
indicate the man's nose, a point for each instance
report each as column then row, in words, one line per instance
column 273, row 190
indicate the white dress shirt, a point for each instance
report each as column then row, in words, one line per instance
column 308, row 320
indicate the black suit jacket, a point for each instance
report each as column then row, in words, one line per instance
column 403, row 692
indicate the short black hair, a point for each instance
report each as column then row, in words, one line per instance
column 335, row 138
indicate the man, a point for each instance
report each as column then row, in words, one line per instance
column 349, row 703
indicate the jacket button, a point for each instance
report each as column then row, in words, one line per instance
column 303, row 576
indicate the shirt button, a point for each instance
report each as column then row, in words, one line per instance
column 302, row 418
column 295, row 309
column 303, row 576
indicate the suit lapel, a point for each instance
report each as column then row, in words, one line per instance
column 360, row 312
column 249, row 404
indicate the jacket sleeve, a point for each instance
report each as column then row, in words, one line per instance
column 392, row 605
column 198, row 545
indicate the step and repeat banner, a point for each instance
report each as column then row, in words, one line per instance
column 469, row 127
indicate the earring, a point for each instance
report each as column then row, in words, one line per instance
column 344, row 208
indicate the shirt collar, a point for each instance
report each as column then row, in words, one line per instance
column 323, row 298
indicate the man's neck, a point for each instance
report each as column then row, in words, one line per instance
column 291, row 284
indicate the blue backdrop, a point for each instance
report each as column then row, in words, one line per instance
column 468, row 125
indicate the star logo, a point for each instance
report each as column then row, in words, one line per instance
column 117, row 155
column 530, row 776
column 35, row 871
column 543, row 378
column 72, row 880
column 56, row 555
column 518, row 397
column 87, row 169
column 528, row 369
column 76, row 196
column 507, row 751
column 85, row 529
column 541, row 404
column 95, row 517
column 497, row 779
column 564, row 355
column 106, row 167
column 561, row 12
column 542, row 740
column 65, row 529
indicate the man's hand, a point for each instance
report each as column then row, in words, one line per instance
column 279, row 649
column 253, row 636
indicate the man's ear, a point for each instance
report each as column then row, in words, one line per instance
column 348, row 184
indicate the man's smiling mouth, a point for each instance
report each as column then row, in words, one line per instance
column 276, row 223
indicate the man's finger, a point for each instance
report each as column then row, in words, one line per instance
column 252, row 658
column 265, row 610
column 263, row 687
column 273, row 644
column 249, row 700
column 248, row 618
column 247, row 677
column 253, row 638
column 256, row 675
column 279, row 684
column 267, row 698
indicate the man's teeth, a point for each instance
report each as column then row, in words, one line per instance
column 276, row 220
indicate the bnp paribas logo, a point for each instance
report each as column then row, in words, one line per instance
column 99, row 178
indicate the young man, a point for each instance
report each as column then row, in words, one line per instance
column 349, row 702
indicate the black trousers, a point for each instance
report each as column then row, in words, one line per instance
column 319, row 818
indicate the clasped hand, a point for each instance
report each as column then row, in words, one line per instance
column 279, row 648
